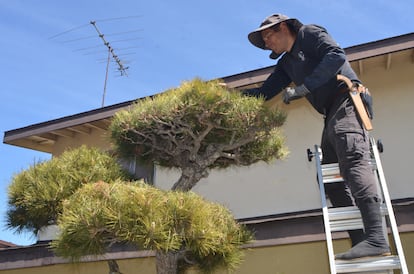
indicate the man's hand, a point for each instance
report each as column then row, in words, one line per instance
column 291, row 94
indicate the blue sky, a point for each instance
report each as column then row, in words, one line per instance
column 53, row 61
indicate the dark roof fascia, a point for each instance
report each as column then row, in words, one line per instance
column 67, row 121
column 41, row 255
column 4, row 244
column 354, row 53
column 396, row 203
column 380, row 47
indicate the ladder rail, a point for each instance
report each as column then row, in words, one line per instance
column 348, row 218
column 325, row 213
column 387, row 200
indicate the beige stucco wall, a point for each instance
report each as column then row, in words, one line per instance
column 393, row 122
column 133, row 266
column 290, row 185
column 283, row 186
column 96, row 138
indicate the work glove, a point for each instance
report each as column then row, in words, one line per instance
column 291, row 94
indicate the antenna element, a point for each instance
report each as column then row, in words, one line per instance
column 121, row 67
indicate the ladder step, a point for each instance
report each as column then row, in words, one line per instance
column 368, row 264
column 331, row 174
column 344, row 225
column 348, row 218
column 333, row 179
column 349, row 212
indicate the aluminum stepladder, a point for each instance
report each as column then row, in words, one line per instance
column 349, row 218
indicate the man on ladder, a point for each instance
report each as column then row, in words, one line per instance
column 312, row 61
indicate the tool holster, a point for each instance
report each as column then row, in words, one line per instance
column 362, row 100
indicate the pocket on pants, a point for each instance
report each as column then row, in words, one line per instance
column 353, row 153
column 356, row 146
column 346, row 120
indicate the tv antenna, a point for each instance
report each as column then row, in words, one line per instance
column 111, row 57
column 122, row 69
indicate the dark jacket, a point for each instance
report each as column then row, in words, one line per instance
column 314, row 60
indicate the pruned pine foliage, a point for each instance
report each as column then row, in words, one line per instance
column 35, row 195
column 198, row 126
column 99, row 215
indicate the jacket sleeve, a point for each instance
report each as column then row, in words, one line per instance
column 272, row 86
column 321, row 45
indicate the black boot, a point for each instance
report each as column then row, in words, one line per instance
column 375, row 243
column 340, row 196
column 356, row 236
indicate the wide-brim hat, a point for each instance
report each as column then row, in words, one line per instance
column 255, row 37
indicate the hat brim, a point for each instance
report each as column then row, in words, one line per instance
column 255, row 37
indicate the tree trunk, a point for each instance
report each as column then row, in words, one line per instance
column 166, row 262
column 190, row 176
column 113, row 267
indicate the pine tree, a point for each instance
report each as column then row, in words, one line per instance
column 197, row 127
column 36, row 195
column 184, row 229
column 194, row 128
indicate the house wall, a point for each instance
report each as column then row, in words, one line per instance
column 310, row 257
column 393, row 122
column 96, row 138
column 289, row 185
column 133, row 266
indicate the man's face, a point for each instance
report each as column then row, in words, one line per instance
column 275, row 39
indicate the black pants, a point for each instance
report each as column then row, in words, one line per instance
column 344, row 140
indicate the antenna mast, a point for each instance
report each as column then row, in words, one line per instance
column 121, row 67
